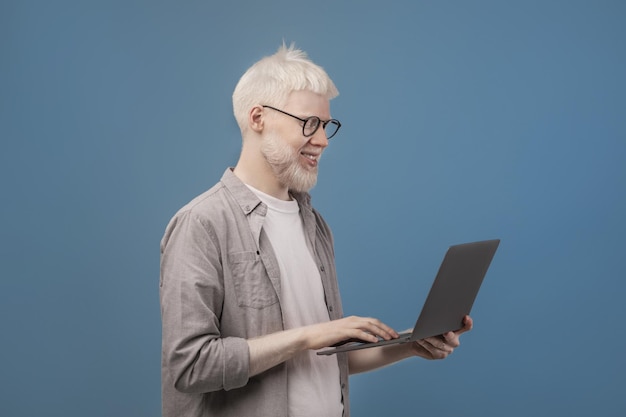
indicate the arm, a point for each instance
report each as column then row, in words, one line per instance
column 196, row 357
column 271, row 350
column 438, row 347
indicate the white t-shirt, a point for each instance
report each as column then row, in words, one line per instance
column 313, row 381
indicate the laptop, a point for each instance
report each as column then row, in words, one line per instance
column 450, row 298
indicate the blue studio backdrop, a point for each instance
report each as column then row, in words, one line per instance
column 462, row 121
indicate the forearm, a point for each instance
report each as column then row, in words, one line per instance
column 272, row 349
column 366, row 360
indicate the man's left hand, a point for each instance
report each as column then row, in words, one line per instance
column 439, row 347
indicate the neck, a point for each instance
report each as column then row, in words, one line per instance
column 252, row 169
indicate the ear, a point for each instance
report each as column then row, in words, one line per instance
column 256, row 119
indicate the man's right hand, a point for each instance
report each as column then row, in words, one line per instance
column 335, row 332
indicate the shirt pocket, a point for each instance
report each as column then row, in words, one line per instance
column 252, row 285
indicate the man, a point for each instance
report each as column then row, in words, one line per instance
column 248, row 281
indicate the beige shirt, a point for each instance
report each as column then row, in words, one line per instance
column 220, row 285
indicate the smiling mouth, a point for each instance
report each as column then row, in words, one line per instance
column 310, row 156
column 310, row 159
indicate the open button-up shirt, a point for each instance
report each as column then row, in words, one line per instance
column 220, row 285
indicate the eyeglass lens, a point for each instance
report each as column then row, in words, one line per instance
column 312, row 124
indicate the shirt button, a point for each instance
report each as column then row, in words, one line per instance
column 322, row 268
column 330, row 308
column 343, row 386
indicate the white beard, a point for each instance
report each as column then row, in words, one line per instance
column 285, row 163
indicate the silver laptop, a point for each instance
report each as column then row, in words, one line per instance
column 450, row 298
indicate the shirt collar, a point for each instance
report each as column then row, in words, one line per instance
column 248, row 201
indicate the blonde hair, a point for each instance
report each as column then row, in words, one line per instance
column 271, row 80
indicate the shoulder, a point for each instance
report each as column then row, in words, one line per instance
column 227, row 195
column 203, row 205
column 194, row 217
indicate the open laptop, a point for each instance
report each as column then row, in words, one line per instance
column 450, row 298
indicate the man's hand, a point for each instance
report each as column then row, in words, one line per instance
column 330, row 333
column 439, row 347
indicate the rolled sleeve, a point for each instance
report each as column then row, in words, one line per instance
column 221, row 365
column 236, row 363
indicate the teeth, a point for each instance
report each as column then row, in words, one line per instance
column 311, row 157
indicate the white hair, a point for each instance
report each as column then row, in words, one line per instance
column 271, row 80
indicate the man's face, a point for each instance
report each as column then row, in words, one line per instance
column 293, row 157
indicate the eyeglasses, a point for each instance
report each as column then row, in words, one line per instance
column 312, row 123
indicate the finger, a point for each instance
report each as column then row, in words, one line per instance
column 429, row 346
column 349, row 329
column 365, row 336
column 386, row 332
column 441, row 343
column 355, row 335
column 468, row 323
column 379, row 328
column 451, row 339
column 365, row 329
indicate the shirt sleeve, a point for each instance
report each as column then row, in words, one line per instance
column 197, row 358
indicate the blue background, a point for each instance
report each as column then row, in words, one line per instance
column 462, row 120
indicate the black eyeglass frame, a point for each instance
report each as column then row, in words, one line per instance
column 320, row 122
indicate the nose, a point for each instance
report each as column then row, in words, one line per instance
column 319, row 138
